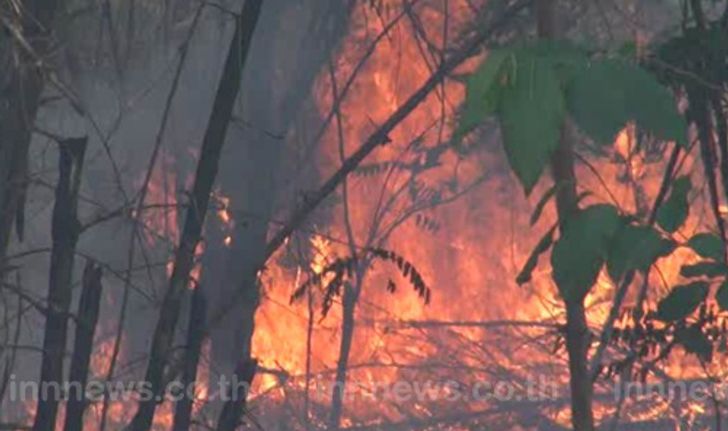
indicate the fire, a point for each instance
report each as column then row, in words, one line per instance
column 480, row 326
column 224, row 215
column 472, row 268
column 160, row 223
column 161, row 220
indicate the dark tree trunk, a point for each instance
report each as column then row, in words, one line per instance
column 205, row 176
column 88, row 316
column 232, row 412
column 21, row 85
column 64, row 231
column 195, row 337
column 342, row 365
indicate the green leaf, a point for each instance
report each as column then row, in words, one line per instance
column 542, row 247
column 707, row 245
column 721, row 296
column 654, row 108
column 532, row 113
column 597, row 104
column 636, row 248
column 603, row 98
column 704, row 269
column 682, row 301
column 482, row 93
column 695, row 341
column 673, row 213
column 580, row 252
column 566, row 58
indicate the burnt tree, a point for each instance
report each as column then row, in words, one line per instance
column 88, row 316
column 25, row 42
column 65, row 230
column 205, row 176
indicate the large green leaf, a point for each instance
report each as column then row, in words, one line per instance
column 636, row 248
column 604, row 97
column 652, row 105
column 597, row 104
column 704, row 269
column 682, row 301
column 721, row 296
column 566, row 58
column 482, row 93
column 707, row 245
column 532, row 113
column 580, row 252
column 673, row 213
column 695, row 341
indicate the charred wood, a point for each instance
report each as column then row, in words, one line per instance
column 64, row 231
column 88, row 315
column 195, row 337
column 232, row 413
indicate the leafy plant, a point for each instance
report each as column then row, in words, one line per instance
column 582, row 250
column 673, row 213
column 533, row 88
column 682, row 301
column 636, row 247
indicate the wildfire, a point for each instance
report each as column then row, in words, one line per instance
column 479, row 322
column 472, row 268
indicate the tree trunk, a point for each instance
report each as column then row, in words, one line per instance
column 232, row 412
column 205, row 176
column 347, row 336
column 64, row 231
column 88, row 316
column 577, row 331
column 195, row 337
column 21, row 85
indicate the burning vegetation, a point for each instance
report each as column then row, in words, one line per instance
column 363, row 215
